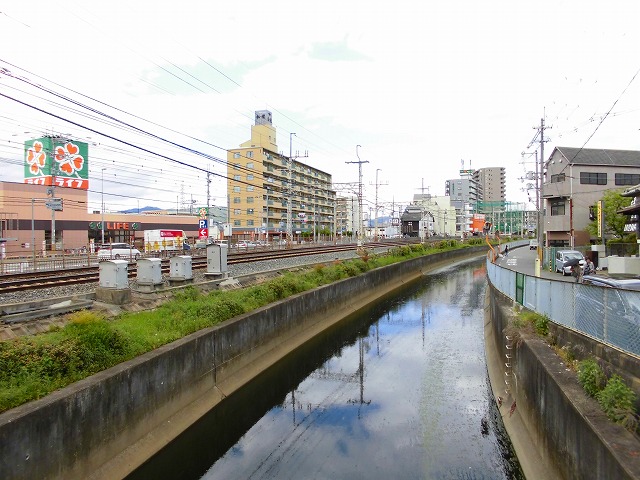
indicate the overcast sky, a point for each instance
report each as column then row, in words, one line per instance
column 420, row 85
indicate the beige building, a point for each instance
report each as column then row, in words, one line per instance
column 575, row 179
column 347, row 215
column 439, row 216
column 27, row 222
column 490, row 184
column 261, row 183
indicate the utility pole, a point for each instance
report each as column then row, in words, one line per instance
column 376, row 206
column 208, row 205
column 360, row 222
column 539, row 185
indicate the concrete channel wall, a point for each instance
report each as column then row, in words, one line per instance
column 107, row 425
column 555, row 421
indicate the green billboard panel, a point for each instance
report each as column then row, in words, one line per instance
column 56, row 161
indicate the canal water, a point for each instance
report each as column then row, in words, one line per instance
column 399, row 390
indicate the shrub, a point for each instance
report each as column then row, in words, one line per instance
column 617, row 401
column 591, row 376
column 541, row 324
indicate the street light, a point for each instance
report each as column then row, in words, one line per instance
column 290, row 195
column 267, row 222
column 102, row 209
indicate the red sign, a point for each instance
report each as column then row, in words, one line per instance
column 203, row 232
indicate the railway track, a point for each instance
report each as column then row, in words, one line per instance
column 91, row 274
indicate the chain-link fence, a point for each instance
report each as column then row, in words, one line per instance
column 609, row 315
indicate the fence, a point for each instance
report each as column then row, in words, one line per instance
column 609, row 315
column 51, row 262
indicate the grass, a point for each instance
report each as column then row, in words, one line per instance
column 616, row 399
column 32, row 367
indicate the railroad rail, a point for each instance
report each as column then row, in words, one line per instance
column 16, row 282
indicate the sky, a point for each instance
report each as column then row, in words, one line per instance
column 416, row 89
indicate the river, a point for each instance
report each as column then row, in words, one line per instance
column 400, row 390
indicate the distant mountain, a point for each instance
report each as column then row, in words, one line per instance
column 140, row 210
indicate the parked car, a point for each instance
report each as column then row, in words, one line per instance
column 533, row 244
column 622, row 283
column 563, row 256
column 118, row 251
column 609, row 309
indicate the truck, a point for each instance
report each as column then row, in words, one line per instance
column 164, row 240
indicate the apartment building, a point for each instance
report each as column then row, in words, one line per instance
column 261, row 182
column 347, row 215
column 575, row 179
column 490, row 183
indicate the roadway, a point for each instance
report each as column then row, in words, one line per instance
column 523, row 260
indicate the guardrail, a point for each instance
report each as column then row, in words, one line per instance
column 609, row 315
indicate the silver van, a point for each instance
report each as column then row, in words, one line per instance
column 563, row 256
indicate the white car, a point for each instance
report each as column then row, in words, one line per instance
column 118, row 251
column 563, row 256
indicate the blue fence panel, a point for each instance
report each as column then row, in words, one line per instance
column 608, row 315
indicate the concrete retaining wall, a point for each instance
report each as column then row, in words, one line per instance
column 107, row 425
column 566, row 427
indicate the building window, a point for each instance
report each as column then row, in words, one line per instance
column 236, row 166
column 249, row 211
column 237, row 223
column 557, row 178
column 249, row 223
column 250, row 165
column 627, row 179
column 249, row 188
column 236, row 211
column 557, row 207
column 236, row 200
column 237, row 177
column 249, row 199
column 236, row 155
column 589, row 178
column 250, row 154
column 249, row 177
column 236, row 189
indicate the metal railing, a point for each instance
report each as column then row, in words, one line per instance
column 609, row 315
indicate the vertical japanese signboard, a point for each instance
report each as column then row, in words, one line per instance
column 56, row 161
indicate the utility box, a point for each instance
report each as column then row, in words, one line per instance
column 149, row 271
column 180, row 268
column 217, row 259
column 114, row 274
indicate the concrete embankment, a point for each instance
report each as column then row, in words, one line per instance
column 556, row 429
column 107, row 425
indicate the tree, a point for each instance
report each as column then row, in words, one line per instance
column 614, row 222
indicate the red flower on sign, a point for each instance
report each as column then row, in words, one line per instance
column 68, row 158
column 36, row 158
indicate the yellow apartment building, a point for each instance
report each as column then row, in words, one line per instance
column 261, row 182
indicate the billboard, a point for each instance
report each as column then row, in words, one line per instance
column 477, row 223
column 56, row 161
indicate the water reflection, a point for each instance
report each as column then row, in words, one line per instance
column 398, row 391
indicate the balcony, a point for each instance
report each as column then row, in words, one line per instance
column 559, row 223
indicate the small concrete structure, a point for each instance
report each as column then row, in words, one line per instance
column 114, row 274
column 217, row 260
column 149, row 274
column 114, row 282
column 624, row 265
column 180, row 270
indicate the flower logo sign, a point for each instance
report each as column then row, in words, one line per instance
column 36, row 158
column 56, row 161
column 68, row 158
